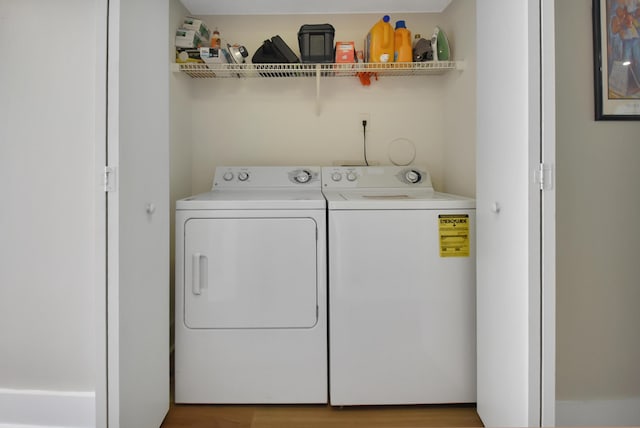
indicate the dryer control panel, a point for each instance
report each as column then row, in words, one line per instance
column 237, row 177
column 341, row 177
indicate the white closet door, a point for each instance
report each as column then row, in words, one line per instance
column 509, row 214
column 138, row 214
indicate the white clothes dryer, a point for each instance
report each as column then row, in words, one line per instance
column 251, row 309
column 401, row 288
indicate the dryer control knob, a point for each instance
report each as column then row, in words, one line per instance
column 413, row 176
column 302, row 176
column 352, row 176
column 228, row 176
column 336, row 176
column 243, row 176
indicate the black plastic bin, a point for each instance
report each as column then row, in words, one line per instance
column 316, row 43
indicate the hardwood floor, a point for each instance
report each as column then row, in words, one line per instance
column 316, row 416
column 319, row 416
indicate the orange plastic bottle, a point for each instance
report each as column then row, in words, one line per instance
column 402, row 44
column 379, row 43
column 215, row 39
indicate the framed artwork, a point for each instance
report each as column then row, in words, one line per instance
column 616, row 43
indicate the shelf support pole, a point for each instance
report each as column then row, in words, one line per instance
column 317, row 90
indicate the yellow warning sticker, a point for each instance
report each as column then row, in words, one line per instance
column 454, row 235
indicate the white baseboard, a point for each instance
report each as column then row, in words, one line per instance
column 622, row 412
column 34, row 408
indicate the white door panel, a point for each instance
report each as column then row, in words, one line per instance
column 138, row 215
column 548, row 212
column 505, row 370
column 250, row 273
column 509, row 288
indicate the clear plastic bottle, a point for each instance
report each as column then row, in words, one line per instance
column 379, row 44
column 402, row 44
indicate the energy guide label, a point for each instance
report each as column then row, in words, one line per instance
column 454, row 235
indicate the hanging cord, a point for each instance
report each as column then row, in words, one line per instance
column 364, row 141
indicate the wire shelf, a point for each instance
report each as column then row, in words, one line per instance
column 199, row 70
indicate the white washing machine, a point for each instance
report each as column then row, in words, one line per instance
column 251, row 307
column 401, row 288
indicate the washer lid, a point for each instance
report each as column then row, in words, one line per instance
column 254, row 199
column 394, row 199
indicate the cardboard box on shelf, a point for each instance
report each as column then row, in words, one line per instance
column 345, row 52
column 214, row 56
column 198, row 26
column 188, row 39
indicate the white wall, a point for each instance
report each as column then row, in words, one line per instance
column 48, row 184
column 598, row 286
column 459, row 22
column 48, row 221
column 273, row 121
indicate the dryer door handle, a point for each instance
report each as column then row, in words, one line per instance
column 198, row 274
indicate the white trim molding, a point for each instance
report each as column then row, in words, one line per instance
column 38, row 408
column 620, row 412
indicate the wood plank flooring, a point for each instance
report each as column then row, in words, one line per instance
column 316, row 416
column 320, row 416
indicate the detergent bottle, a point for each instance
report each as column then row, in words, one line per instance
column 402, row 44
column 440, row 45
column 378, row 46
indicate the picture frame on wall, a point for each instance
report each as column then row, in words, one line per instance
column 616, row 41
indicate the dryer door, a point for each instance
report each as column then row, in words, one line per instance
column 250, row 273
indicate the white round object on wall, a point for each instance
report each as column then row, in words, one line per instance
column 401, row 151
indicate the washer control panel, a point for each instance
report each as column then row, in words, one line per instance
column 303, row 176
column 375, row 176
column 348, row 175
column 266, row 176
column 413, row 176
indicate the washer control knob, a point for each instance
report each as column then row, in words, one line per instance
column 228, row 176
column 352, row 176
column 336, row 176
column 243, row 176
column 413, row 176
column 302, row 176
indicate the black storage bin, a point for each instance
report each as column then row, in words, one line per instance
column 274, row 51
column 316, row 42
